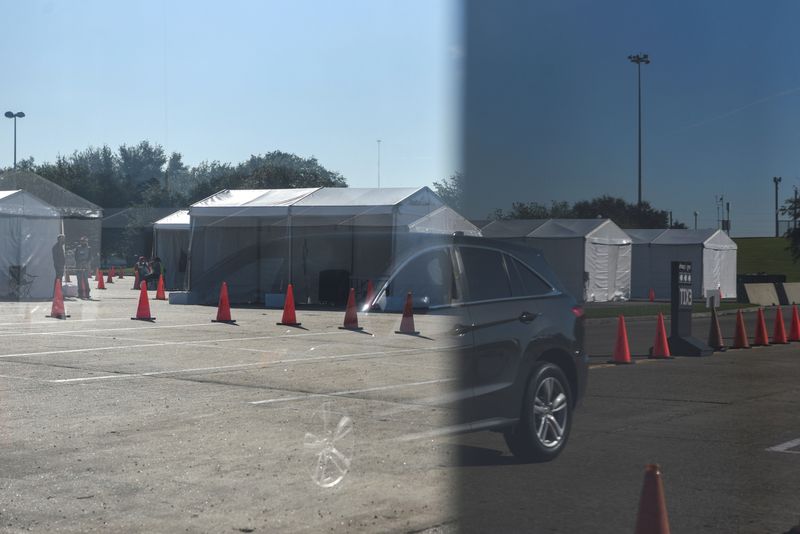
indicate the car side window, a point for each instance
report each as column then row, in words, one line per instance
column 429, row 277
column 486, row 274
column 525, row 282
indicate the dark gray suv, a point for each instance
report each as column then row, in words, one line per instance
column 524, row 368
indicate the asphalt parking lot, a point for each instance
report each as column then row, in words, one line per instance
column 184, row 424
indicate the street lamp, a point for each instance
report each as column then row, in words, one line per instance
column 639, row 59
column 776, row 180
column 695, row 219
column 15, row 116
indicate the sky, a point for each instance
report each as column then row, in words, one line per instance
column 221, row 81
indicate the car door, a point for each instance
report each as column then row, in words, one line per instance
column 504, row 321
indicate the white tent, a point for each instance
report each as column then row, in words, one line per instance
column 712, row 253
column 592, row 257
column 322, row 240
column 171, row 245
column 29, row 227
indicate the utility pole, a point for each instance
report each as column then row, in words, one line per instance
column 696, row 213
column 15, row 116
column 776, row 180
column 639, row 59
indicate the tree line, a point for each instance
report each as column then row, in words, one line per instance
column 143, row 175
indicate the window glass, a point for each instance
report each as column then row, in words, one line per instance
column 429, row 277
column 486, row 274
column 531, row 283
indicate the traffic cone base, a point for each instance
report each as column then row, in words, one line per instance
column 350, row 315
column 794, row 330
column 622, row 351
column 407, row 322
column 762, row 338
column 779, row 333
column 143, row 311
column 57, row 311
column 289, row 318
column 160, row 293
column 740, row 340
column 224, row 307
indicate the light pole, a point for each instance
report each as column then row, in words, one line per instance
column 379, row 163
column 776, row 180
column 695, row 219
column 15, row 116
column 639, row 59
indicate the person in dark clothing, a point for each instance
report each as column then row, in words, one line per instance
column 82, row 264
column 143, row 269
column 155, row 270
column 59, row 258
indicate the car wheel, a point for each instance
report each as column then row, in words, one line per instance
column 544, row 425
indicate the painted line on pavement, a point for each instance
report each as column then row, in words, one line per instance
column 784, row 447
column 352, row 391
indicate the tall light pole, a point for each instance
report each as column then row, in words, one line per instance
column 15, row 116
column 695, row 219
column 776, row 180
column 379, row 163
column 639, row 59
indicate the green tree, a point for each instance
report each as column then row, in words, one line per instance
column 451, row 190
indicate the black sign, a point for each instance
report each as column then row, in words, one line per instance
column 681, row 342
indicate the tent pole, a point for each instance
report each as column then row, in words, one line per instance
column 188, row 274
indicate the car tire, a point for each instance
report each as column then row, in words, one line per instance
column 546, row 418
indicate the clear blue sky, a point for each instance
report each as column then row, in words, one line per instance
column 220, row 81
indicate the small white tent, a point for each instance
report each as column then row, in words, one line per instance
column 317, row 239
column 171, row 245
column 29, row 227
column 711, row 251
column 592, row 257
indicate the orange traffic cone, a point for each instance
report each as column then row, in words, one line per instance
column 57, row 311
column 762, row 338
column 740, row 339
column 350, row 315
column 160, row 294
column 622, row 351
column 794, row 330
column 652, row 517
column 100, row 284
column 111, row 276
column 715, row 334
column 652, row 295
column 407, row 322
column 779, row 333
column 143, row 311
column 136, row 280
column 661, row 345
column 289, row 318
column 370, row 292
column 224, row 308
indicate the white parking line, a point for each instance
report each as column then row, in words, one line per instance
column 122, row 329
column 372, row 354
column 352, row 391
column 784, row 447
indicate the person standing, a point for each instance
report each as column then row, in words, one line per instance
column 59, row 258
column 82, row 264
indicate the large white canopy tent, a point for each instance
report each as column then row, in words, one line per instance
column 260, row 240
column 79, row 216
column 711, row 251
column 29, row 227
column 171, row 245
column 592, row 257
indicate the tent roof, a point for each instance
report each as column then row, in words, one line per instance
column 710, row 238
column 175, row 221
column 444, row 220
column 66, row 202
column 22, row 203
column 595, row 230
column 134, row 217
column 324, row 201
